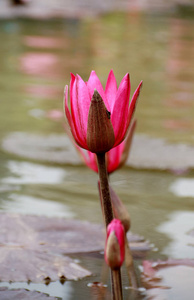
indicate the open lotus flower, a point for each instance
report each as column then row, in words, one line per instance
column 115, row 158
column 99, row 118
column 115, row 244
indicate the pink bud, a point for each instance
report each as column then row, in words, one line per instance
column 115, row 244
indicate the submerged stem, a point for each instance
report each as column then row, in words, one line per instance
column 108, row 216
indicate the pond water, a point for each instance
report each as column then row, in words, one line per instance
column 35, row 62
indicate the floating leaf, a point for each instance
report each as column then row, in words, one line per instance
column 59, row 149
column 53, row 148
column 33, row 247
column 57, row 235
column 53, row 235
column 22, row 294
column 17, row 264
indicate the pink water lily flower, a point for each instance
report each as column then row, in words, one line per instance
column 115, row 158
column 115, row 244
column 116, row 101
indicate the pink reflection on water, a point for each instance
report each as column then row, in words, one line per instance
column 42, row 42
column 176, row 65
column 55, row 114
column 40, row 64
column 179, row 75
column 41, row 91
column 178, row 125
column 181, row 47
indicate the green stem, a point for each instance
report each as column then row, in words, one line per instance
column 108, row 216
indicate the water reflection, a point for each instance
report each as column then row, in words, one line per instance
column 42, row 91
column 36, row 61
column 29, row 173
column 177, row 229
column 180, row 75
column 183, row 187
column 37, row 113
column 55, row 289
column 25, row 204
column 157, row 50
column 43, row 42
column 40, row 64
column 178, row 282
column 54, row 114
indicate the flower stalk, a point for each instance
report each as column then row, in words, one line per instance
column 116, row 285
column 104, row 188
column 108, row 216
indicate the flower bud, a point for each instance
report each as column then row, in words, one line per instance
column 100, row 133
column 115, row 244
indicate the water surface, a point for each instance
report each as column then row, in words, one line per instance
column 35, row 62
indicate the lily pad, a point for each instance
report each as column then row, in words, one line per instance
column 59, row 149
column 26, row 265
column 57, row 235
column 171, row 279
column 22, row 294
column 52, row 148
column 33, row 248
column 50, row 235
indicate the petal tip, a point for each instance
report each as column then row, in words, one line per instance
column 65, row 88
column 92, row 73
column 72, row 76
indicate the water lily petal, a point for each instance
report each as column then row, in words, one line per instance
column 127, row 143
column 133, row 103
column 111, row 90
column 92, row 161
column 80, row 103
column 113, row 157
column 71, row 85
column 120, row 110
column 69, row 117
column 115, row 106
column 94, row 83
column 89, row 158
column 67, row 112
